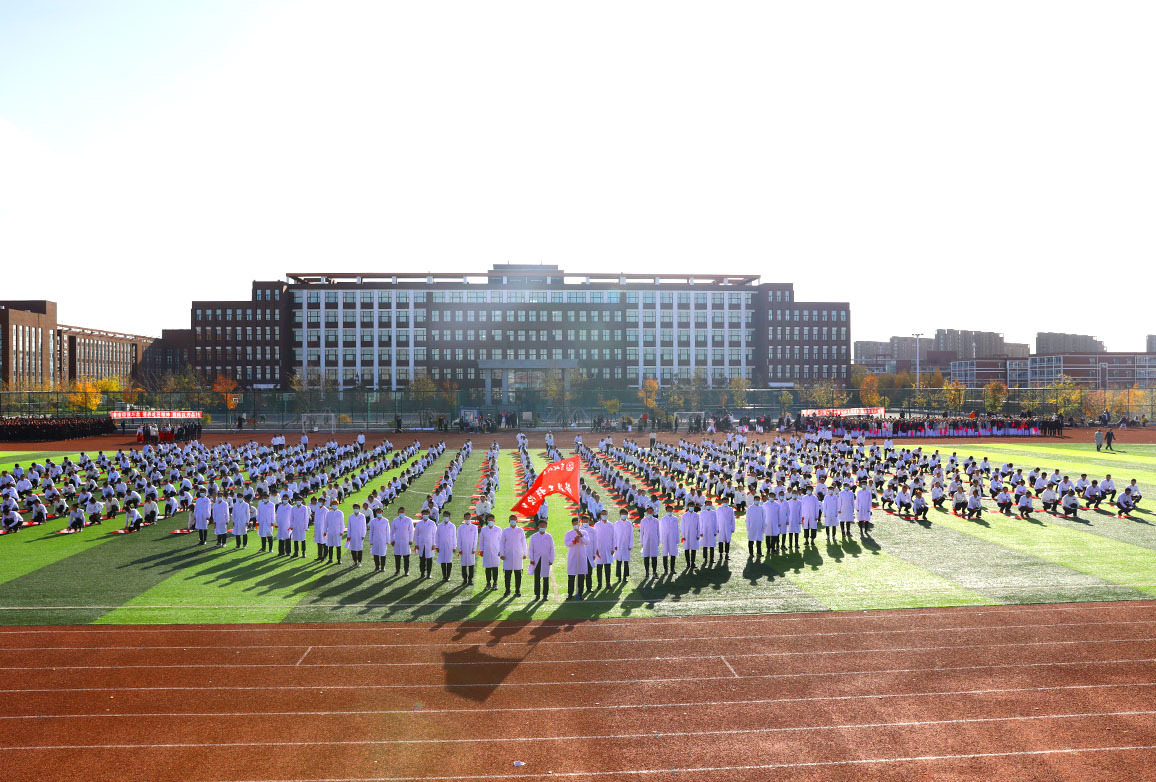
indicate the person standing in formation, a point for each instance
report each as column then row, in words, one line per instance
column 266, row 514
column 334, row 530
column 299, row 525
column 319, row 530
column 423, row 544
column 603, row 547
column 668, row 535
column 379, row 540
column 863, row 510
column 446, row 545
column 756, row 528
column 491, row 549
column 576, row 563
column 357, row 530
column 809, row 512
column 467, row 548
column 831, row 511
column 691, row 538
column 648, row 537
column 726, row 528
column 623, row 546
column 221, row 520
column 283, row 516
column 202, row 509
column 708, row 530
column 513, row 552
column 541, row 559
column 402, row 535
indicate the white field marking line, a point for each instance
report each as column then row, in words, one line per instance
column 499, row 661
column 533, row 642
column 512, row 709
column 663, row 600
column 708, row 769
column 604, row 737
column 302, row 658
column 895, row 614
column 731, row 668
column 571, row 682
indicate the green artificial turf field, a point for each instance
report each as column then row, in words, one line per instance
column 156, row 577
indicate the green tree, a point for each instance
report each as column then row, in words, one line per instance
column 739, row 387
column 824, row 394
column 1064, row 395
column 994, row 396
column 786, row 399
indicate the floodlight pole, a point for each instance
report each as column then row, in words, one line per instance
column 917, row 336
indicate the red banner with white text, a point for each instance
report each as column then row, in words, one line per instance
column 558, row 478
column 154, row 414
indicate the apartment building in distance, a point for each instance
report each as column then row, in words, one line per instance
column 1052, row 343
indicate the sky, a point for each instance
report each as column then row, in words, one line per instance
column 983, row 165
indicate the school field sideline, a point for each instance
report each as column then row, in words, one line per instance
column 999, row 648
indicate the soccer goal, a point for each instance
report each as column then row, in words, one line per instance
column 318, row 422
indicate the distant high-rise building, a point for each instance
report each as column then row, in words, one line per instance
column 967, row 345
column 1017, row 349
column 1055, row 342
column 1151, row 346
column 903, row 348
column 866, row 350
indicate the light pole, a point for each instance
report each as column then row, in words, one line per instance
column 917, row 336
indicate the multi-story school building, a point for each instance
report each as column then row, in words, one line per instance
column 506, row 327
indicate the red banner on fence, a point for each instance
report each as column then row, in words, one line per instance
column 558, row 478
column 154, row 413
column 840, row 412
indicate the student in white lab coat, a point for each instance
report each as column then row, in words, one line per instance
column 863, row 509
column 847, row 509
column 357, row 529
column 467, row 547
column 423, row 544
column 708, row 529
column 220, row 513
column 756, row 528
column 648, row 537
column 623, row 546
column 831, row 511
column 577, row 564
column 241, row 513
column 603, row 547
column 691, row 537
column 809, row 515
column 668, row 537
column 513, row 554
column 726, row 528
column 401, row 532
column 491, row 548
column 379, row 539
column 541, row 555
column 446, row 545
column 334, row 530
column 283, row 516
column 299, row 521
column 266, row 514
column 202, row 509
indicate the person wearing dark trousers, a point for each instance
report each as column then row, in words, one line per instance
column 401, row 529
column 423, row 542
column 446, row 545
column 491, row 548
column 467, row 536
column 541, row 553
column 513, row 554
column 577, row 565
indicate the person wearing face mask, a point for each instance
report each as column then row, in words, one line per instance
column 809, row 516
column 356, row 540
column 603, row 548
column 513, row 552
column 446, row 545
column 590, row 547
column 379, row 540
column 726, row 528
column 648, row 538
column 319, row 513
column 401, row 531
column 623, row 546
column 863, row 509
column 334, row 531
column 299, row 524
column 846, row 509
column 282, row 517
column 202, row 508
column 491, row 548
column 577, row 565
column 423, row 544
column 691, row 537
column 541, row 559
column 467, row 548
column 266, row 513
column 794, row 518
column 756, row 529
column 668, row 536
column 708, row 528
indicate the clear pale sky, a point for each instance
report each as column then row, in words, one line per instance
column 984, row 165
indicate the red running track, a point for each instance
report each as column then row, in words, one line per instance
column 1063, row 691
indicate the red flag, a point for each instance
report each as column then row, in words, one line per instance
column 559, row 477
